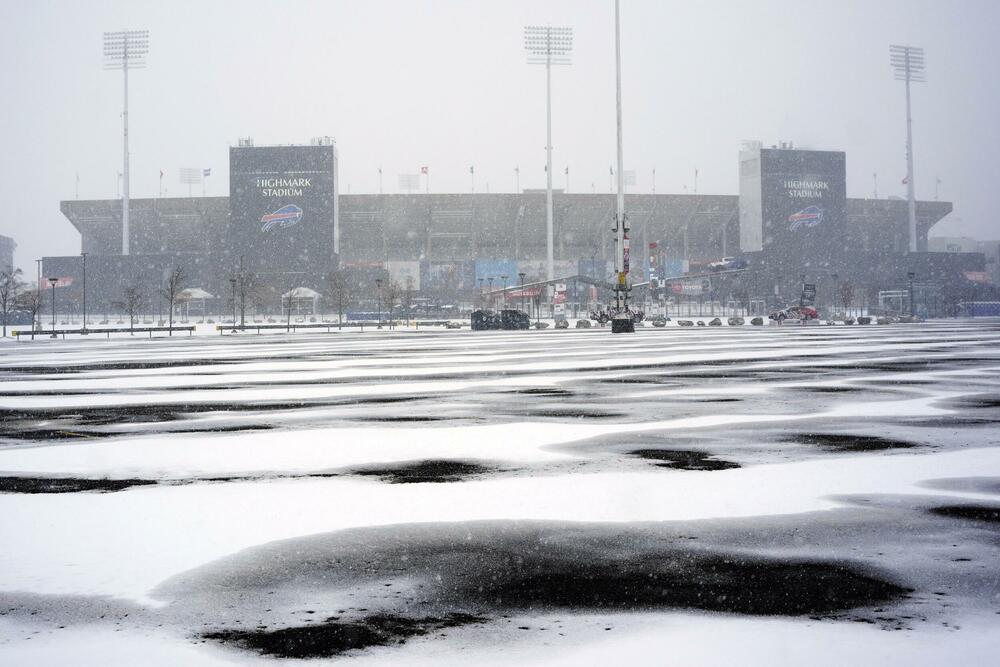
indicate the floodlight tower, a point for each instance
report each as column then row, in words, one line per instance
column 547, row 45
column 125, row 50
column 622, row 321
column 908, row 64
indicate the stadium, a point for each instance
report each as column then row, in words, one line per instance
column 287, row 221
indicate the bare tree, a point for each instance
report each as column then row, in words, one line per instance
column 406, row 298
column 341, row 291
column 31, row 301
column 171, row 291
column 246, row 288
column 10, row 288
column 132, row 302
column 390, row 297
column 846, row 295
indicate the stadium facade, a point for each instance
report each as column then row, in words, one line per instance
column 291, row 226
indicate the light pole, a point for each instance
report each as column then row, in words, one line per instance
column 504, row 278
column 910, row 276
column 836, row 293
column 517, row 180
column 378, row 285
column 622, row 321
column 41, row 294
column 908, row 64
column 125, row 50
column 492, row 296
column 84, row 255
column 548, row 46
column 53, row 281
column 232, row 282
column 521, row 276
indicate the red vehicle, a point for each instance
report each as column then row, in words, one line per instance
column 795, row 313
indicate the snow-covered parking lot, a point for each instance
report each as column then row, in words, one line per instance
column 820, row 495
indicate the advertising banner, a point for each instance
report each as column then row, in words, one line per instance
column 495, row 269
column 406, row 274
column 447, row 276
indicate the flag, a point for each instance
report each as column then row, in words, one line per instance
column 567, row 171
column 611, row 171
column 906, row 180
column 206, row 172
column 423, row 170
column 161, row 174
column 472, row 170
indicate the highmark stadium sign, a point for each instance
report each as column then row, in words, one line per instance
column 283, row 207
column 792, row 202
column 806, row 189
column 283, row 187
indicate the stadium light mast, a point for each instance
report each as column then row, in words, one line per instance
column 125, row 50
column 908, row 65
column 622, row 321
column 547, row 45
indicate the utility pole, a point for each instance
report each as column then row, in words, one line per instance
column 908, row 63
column 622, row 321
column 125, row 50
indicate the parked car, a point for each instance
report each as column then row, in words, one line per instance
column 728, row 264
column 795, row 313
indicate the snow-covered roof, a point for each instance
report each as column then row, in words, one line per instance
column 194, row 293
column 301, row 293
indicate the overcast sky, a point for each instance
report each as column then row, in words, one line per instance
column 401, row 84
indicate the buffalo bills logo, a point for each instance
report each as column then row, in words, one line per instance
column 286, row 216
column 810, row 216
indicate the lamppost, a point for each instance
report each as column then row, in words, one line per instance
column 125, row 50
column 908, row 63
column 548, row 46
column 836, row 292
column 622, row 321
column 910, row 276
column 520, row 275
column 378, row 284
column 504, row 278
column 232, row 282
column 53, row 281
column 482, row 301
column 84, row 255
column 492, row 296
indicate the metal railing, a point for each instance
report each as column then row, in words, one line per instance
column 54, row 333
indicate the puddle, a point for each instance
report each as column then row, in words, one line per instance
column 67, row 484
column 973, row 512
column 333, row 637
column 840, row 442
column 683, row 459
column 433, row 470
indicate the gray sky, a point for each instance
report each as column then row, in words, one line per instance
column 442, row 83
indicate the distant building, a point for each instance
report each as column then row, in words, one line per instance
column 287, row 221
column 991, row 251
column 7, row 246
column 952, row 244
